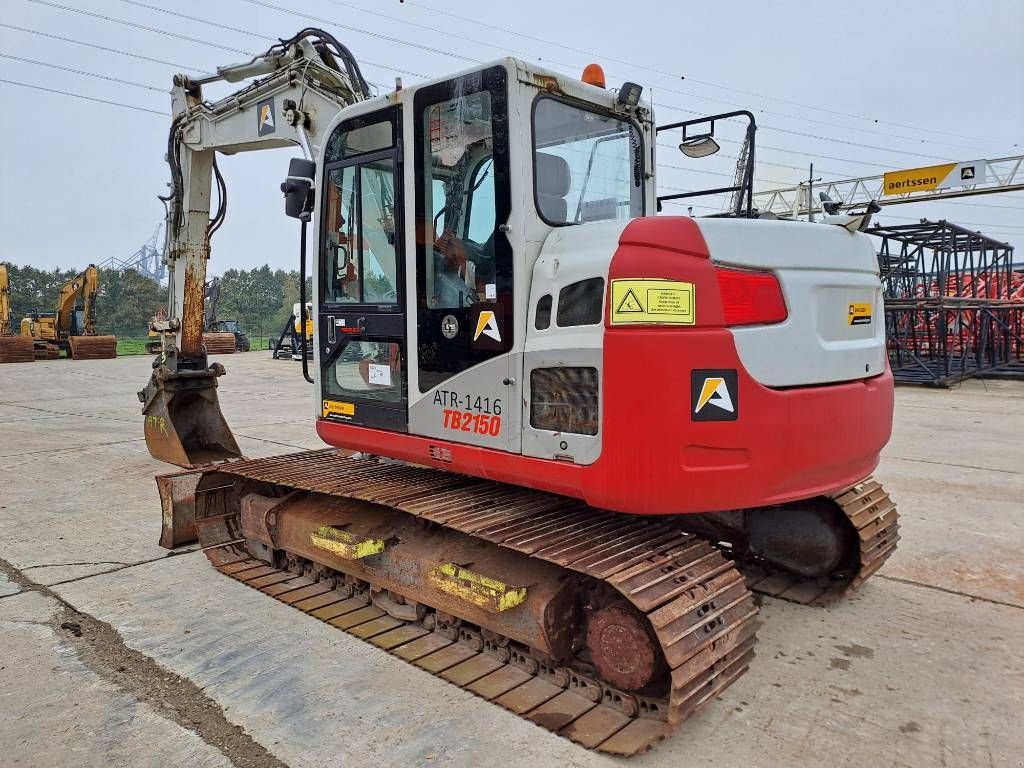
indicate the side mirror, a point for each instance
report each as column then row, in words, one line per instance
column 298, row 188
column 699, row 146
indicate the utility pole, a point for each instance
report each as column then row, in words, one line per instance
column 810, row 193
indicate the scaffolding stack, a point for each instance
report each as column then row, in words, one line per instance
column 954, row 304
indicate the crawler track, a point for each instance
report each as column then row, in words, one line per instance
column 873, row 514
column 696, row 602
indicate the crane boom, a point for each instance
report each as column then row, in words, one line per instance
column 1005, row 174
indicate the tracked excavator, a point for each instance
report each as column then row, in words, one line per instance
column 568, row 437
column 13, row 348
column 71, row 326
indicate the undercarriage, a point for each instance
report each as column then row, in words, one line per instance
column 605, row 628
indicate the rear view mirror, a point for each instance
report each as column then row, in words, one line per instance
column 298, row 188
column 699, row 146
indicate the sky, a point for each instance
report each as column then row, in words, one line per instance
column 872, row 86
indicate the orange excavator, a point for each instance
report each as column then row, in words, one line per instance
column 568, row 437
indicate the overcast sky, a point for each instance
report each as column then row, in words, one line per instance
column 884, row 85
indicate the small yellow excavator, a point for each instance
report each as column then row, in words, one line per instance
column 13, row 349
column 72, row 325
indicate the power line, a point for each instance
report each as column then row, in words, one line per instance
column 140, row 26
column 506, row 31
column 181, row 67
column 250, row 33
column 264, row 37
column 776, row 129
column 408, row 43
column 805, row 119
column 671, row 202
column 350, row 28
column 81, row 72
column 449, row 33
column 86, row 98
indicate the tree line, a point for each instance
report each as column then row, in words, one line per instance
column 260, row 299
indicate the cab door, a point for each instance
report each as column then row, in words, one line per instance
column 361, row 325
column 464, row 306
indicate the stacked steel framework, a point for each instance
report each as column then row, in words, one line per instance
column 954, row 304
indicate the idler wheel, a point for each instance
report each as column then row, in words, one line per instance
column 621, row 647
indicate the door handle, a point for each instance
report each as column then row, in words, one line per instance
column 331, row 330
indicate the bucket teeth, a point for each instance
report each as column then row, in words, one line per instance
column 344, row 544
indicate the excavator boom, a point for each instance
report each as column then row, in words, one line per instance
column 306, row 80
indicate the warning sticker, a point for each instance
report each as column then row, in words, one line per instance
column 338, row 408
column 652, row 302
column 859, row 314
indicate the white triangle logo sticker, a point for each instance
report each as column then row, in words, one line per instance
column 487, row 325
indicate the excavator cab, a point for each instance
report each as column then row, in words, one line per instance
column 432, row 213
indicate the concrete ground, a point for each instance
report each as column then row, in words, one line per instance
column 113, row 653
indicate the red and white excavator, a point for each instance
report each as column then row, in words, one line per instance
column 582, row 432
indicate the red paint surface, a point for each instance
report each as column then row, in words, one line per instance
column 786, row 444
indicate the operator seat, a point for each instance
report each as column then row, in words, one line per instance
column 553, row 180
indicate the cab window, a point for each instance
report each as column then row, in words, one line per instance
column 585, row 164
column 456, row 169
column 360, row 242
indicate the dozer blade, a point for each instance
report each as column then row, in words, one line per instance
column 183, row 424
column 17, row 349
column 219, row 343
column 178, row 507
column 92, row 347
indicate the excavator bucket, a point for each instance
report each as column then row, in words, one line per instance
column 183, row 423
column 92, row 347
column 17, row 349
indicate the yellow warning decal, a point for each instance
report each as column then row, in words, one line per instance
column 858, row 314
column 338, row 408
column 345, row 544
column 482, row 591
column 652, row 302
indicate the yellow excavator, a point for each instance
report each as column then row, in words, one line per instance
column 71, row 327
column 13, row 349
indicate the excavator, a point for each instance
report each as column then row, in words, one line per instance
column 568, row 438
column 71, row 327
column 219, row 336
column 13, row 348
column 239, row 339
